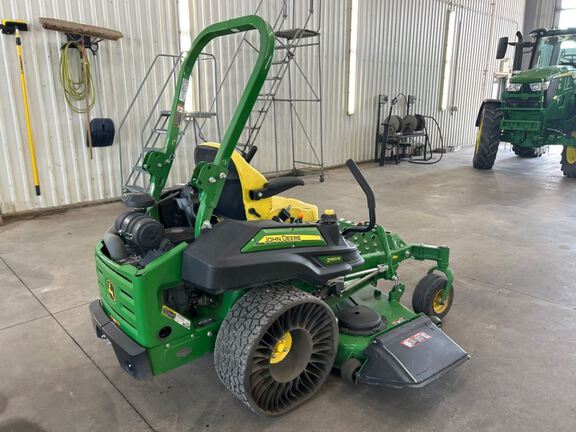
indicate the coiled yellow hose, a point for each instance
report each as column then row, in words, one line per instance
column 76, row 90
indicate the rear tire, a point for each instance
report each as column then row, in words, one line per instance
column 275, row 348
column 528, row 152
column 427, row 295
column 569, row 161
column 488, row 137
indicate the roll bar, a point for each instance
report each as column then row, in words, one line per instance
column 208, row 178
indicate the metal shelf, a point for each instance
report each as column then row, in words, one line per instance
column 296, row 33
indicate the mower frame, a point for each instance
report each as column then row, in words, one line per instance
column 346, row 261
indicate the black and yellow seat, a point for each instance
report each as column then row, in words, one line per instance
column 248, row 195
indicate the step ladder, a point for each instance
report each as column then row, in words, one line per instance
column 152, row 133
column 139, row 179
column 288, row 40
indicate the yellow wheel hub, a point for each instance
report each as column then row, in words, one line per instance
column 571, row 155
column 437, row 305
column 479, row 135
column 281, row 348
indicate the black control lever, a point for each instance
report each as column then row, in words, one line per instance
column 369, row 198
column 250, row 153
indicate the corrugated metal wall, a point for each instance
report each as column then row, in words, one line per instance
column 540, row 13
column 400, row 50
column 67, row 174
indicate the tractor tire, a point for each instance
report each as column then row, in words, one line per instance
column 275, row 348
column 528, row 152
column 427, row 293
column 488, row 137
column 568, row 161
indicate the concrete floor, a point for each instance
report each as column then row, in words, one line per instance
column 512, row 239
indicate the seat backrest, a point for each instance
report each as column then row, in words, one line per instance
column 230, row 205
column 235, row 201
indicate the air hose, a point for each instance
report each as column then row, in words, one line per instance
column 76, row 90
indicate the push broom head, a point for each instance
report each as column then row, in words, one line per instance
column 10, row 26
column 79, row 29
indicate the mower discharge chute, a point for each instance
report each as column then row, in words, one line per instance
column 280, row 294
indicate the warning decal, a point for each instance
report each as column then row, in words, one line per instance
column 183, row 90
column 173, row 315
column 414, row 340
column 179, row 114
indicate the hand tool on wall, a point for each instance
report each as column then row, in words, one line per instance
column 83, row 37
column 14, row 27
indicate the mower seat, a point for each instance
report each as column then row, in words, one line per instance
column 248, row 195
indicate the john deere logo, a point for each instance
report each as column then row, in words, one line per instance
column 111, row 291
column 288, row 238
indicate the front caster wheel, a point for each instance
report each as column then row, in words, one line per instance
column 275, row 348
column 349, row 370
column 428, row 295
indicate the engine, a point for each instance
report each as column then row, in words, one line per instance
column 136, row 238
column 139, row 230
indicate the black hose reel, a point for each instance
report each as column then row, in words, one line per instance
column 395, row 124
column 102, row 131
column 410, row 124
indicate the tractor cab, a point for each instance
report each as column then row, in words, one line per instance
column 549, row 81
column 553, row 48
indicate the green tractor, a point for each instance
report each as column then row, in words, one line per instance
column 538, row 106
column 279, row 294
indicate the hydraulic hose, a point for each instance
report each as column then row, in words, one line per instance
column 76, row 90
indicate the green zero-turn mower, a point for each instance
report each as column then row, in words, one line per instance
column 538, row 106
column 279, row 294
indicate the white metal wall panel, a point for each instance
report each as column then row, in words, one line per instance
column 540, row 13
column 67, row 175
column 400, row 50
